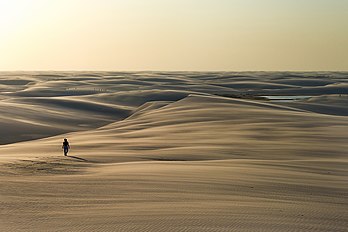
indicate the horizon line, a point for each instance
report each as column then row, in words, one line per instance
column 80, row 70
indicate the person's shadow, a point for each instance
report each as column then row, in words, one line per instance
column 78, row 158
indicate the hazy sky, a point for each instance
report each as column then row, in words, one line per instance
column 174, row 35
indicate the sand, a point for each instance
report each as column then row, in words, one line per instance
column 173, row 151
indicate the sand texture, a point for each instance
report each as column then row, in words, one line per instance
column 174, row 151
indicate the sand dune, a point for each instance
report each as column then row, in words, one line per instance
column 162, row 151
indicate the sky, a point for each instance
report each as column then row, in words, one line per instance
column 174, row 35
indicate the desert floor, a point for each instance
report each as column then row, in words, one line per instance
column 174, row 151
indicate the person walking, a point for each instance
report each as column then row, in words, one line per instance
column 66, row 147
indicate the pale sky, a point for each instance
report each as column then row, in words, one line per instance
column 200, row 35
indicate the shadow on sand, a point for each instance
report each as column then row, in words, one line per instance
column 79, row 159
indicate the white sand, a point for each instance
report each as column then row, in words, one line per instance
column 163, row 152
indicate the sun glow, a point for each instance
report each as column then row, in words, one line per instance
column 12, row 15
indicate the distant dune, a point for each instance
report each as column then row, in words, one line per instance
column 174, row 151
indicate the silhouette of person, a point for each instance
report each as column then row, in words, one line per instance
column 66, row 147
